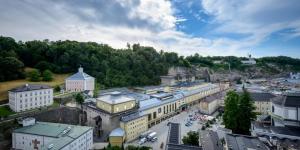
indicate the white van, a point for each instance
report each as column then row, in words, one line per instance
column 142, row 141
column 151, row 135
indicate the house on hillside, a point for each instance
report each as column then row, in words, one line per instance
column 80, row 82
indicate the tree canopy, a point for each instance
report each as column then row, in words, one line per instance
column 135, row 65
column 239, row 112
column 192, row 138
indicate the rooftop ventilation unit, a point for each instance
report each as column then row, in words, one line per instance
column 66, row 130
column 50, row 146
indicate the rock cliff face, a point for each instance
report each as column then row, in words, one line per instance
column 249, row 72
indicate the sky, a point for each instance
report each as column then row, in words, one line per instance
column 207, row 27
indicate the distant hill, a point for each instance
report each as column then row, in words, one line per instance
column 134, row 66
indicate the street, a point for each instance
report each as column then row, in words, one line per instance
column 162, row 129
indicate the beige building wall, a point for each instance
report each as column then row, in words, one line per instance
column 104, row 106
column 262, row 107
column 115, row 108
column 209, row 107
column 123, row 106
column 133, row 129
column 75, row 85
column 116, row 140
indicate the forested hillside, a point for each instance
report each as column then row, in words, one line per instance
column 135, row 65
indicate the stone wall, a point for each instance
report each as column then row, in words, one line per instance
column 64, row 115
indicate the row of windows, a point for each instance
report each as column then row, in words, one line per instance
column 34, row 93
column 36, row 98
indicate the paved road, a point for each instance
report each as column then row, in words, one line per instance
column 162, row 129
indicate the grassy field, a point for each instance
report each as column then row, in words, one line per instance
column 5, row 86
column 5, row 111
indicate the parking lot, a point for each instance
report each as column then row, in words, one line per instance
column 162, row 129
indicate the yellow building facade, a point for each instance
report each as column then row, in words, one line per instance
column 115, row 102
column 133, row 128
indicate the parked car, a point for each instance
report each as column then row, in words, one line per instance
column 145, row 134
column 142, row 141
column 151, row 136
column 154, row 139
column 188, row 124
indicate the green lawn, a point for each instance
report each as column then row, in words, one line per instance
column 5, row 111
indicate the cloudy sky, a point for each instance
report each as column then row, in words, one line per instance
column 207, row 27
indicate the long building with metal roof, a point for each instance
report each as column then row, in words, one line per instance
column 52, row 136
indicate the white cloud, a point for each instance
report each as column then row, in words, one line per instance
column 149, row 22
column 259, row 18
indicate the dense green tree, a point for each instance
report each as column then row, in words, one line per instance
column 192, row 138
column 79, row 99
column 11, row 68
column 231, row 111
column 239, row 112
column 57, row 88
column 43, row 65
column 34, row 75
column 246, row 113
column 135, row 65
column 47, row 75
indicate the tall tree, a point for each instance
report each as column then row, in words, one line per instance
column 79, row 99
column 231, row 111
column 246, row 113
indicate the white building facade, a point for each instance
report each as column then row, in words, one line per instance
column 30, row 96
column 80, row 82
column 54, row 136
column 286, row 110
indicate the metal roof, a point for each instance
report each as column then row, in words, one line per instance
column 198, row 90
column 264, row 97
column 132, row 116
column 117, row 132
column 242, row 142
column 80, row 75
column 288, row 100
column 30, row 87
column 115, row 98
column 154, row 102
column 55, row 130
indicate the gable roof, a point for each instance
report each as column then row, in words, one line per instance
column 288, row 100
column 262, row 96
column 79, row 76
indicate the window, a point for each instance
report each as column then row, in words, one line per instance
column 149, row 117
column 154, row 115
column 159, row 110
